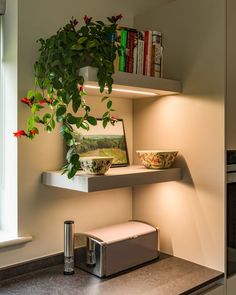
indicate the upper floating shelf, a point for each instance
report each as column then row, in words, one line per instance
column 133, row 86
column 114, row 178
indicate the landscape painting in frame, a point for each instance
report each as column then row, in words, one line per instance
column 106, row 142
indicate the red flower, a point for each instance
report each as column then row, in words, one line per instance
column 42, row 102
column 33, row 132
column 81, row 88
column 116, row 18
column 113, row 120
column 19, row 133
column 119, row 16
column 87, row 19
column 26, row 101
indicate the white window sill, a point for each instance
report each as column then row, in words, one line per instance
column 7, row 240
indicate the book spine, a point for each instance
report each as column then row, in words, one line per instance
column 131, row 52
column 142, row 53
column 127, row 51
column 118, row 44
column 149, row 53
column 157, row 41
column 135, row 54
column 122, row 50
column 145, row 58
column 152, row 71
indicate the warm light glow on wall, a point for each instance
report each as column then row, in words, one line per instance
column 125, row 90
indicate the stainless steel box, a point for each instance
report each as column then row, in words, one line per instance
column 112, row 249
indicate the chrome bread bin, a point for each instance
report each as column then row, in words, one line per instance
column 112, row 249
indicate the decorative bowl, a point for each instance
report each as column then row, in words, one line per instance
column 157, row 159
column 95, row 165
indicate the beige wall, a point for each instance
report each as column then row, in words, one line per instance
column 190, row 213
column 231, row 86
column 42, row 210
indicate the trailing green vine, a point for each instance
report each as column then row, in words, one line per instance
column 61, row 86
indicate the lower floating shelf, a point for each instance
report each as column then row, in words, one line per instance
column 114, row 178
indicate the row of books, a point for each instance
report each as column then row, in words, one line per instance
column 140, row 52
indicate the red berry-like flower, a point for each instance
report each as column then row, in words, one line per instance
column 19, row 133
column 116, row 18
column 87, row 19
column 33, row 132
column 81, row 88
column 41, row 102
column 113, row 120
column 119, row 16
column 26, row 101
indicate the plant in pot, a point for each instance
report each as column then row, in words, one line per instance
column 60, row 86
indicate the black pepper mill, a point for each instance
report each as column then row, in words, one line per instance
column 69, row 247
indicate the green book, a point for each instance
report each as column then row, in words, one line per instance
column 122, row 50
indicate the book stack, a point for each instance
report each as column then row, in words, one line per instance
column 140, row 52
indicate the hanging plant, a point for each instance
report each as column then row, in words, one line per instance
column 59, row 86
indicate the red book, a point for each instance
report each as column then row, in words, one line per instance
column 131, row 52
column 127, row 51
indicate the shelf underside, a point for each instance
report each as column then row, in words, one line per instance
column 114, row 178
column 132, row 86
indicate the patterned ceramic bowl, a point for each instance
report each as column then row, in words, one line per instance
column 95, row 165
column 157, row 159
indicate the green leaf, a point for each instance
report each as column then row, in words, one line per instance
column 70, row 142
column 91, row 44
column 72, row 173
column 71, row 119
column 55, row 63
column 85, row 126
column 59, row 119
column 38, row 96
column 109, row 104
column 36, row 119
column 104, row 122
column 34, row 108
column 104, row 98
column 69, row 154
column 74, row 159
column 31, row 123
column 81, row 80
column 65, row 97
column 30, row 94
column 78, row 47
column 52, row 123
column 82, row 40
column 76, row 101
column 106, row 114
column 92, row 120
column 48, row 129
column 67, row 136
column 79, row 121
column 55, row 102
column 46, row 117
column 61, row 110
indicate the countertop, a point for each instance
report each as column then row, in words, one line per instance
column 167, row 276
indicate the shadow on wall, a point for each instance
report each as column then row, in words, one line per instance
column 186, row 175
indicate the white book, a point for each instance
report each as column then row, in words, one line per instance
column 149, row 53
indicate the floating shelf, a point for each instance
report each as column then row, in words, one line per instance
column 114, row 178
column 133, row 86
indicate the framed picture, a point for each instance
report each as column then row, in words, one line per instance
column 108, row 142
